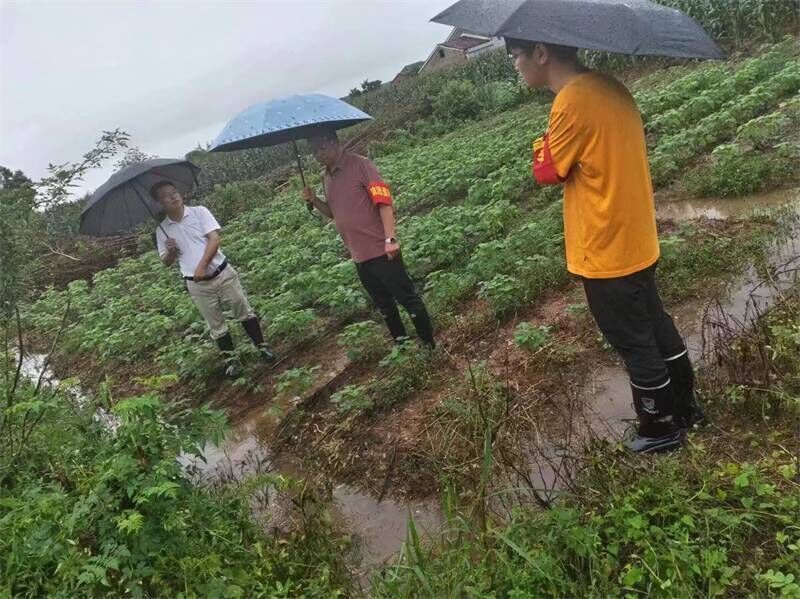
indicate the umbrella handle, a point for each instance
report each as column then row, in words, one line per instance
column 309, row 205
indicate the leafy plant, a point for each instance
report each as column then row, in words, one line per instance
column 402, row 370
column 91, row 511
column 352, row 399
column 363, row 340
column 296, row 381
column 531, row 337
column 457, row 100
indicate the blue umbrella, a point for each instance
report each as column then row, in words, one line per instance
column 286, row 120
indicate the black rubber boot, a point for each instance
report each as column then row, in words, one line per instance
column 253, row 329
column 688, row 412
column 422, row 323
column 657, row 430
column 394, row 323
column 225, row 345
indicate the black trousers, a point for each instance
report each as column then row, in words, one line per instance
column 630, row 314
column 387, row 283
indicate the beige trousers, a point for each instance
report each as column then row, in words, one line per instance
column 211, row 296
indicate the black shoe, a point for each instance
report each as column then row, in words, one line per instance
column 266, row 354
column 657, row 430
column 688, row 412
column 424, row 328
column 252, row 327
column 640, row 444
column 428, row 345
column 225, row 344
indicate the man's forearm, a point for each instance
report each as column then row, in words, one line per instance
column 211, row 250
column 169, row 258
column 387, row 218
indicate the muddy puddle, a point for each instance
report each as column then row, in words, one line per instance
column 378, row 527
column 36, row 369
column 724, row 208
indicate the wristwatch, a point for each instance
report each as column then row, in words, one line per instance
column 391, row 240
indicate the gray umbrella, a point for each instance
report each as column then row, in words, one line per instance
column 124, row 201
column 624, row 26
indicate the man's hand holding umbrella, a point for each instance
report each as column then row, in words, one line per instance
column 311, row 199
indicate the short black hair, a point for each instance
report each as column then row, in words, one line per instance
column 327, row 133
column 156, row 187
column 563, row 53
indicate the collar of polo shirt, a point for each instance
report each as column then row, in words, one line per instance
column 338, row 164
column 175, row 222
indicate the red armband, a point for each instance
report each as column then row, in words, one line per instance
column 544, row 170
column 379, row 193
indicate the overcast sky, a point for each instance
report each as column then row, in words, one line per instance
column 172, row 72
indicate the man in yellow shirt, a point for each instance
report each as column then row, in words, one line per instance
column 595, row 147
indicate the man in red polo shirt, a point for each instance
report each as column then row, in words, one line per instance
column 360, row 203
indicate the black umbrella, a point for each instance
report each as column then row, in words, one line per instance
column 124, row 200
column 624, row 26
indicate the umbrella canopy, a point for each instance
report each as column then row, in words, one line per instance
column 124, row 200
column 286, row 119
column 625, row 26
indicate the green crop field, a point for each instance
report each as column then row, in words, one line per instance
column 474, row 220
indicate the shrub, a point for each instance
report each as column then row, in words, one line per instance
column 498, row 96
column 363, row 340
column 352, row 399
column 457, row 101
column 296, row 381
column 735, row 172
column 232, row 199
column 91, row 512
column 531, row 337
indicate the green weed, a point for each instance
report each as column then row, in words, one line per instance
column 363, row 340
column 531, row 338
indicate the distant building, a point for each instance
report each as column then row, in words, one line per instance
column 458, row 48
column 408, row 72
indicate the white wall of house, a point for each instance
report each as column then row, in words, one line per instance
column 491, row 44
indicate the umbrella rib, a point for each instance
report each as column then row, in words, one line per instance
column 103, row 214
column 147, row 207
column 128, row 214
column 511, row 17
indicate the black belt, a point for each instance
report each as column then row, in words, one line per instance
column 213, row 275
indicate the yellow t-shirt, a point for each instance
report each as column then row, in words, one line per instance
column 597, row 142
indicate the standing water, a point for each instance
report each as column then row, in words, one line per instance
column 378, row 526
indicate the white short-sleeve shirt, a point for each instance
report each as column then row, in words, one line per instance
column 190, row 234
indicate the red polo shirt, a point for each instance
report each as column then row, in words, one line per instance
column 354, row 189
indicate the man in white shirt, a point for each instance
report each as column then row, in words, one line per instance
column 190, row 234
